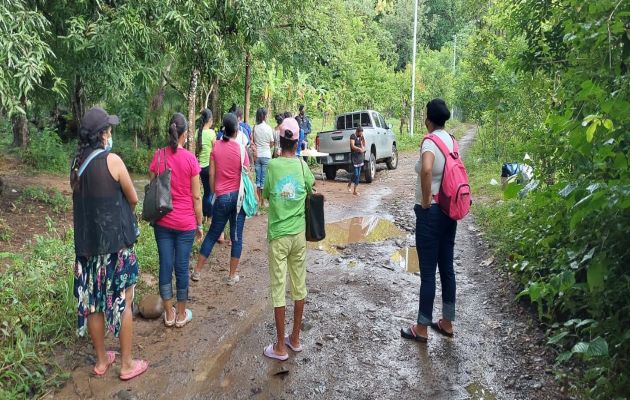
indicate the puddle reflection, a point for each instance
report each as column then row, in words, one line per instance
column 478, row 392
column 357, row 230
column 406, row 259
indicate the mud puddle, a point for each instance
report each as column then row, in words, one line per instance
column 357, row 230
column 406, row 259
column 478, row 392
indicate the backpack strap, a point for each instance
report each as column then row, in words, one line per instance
column 442, row 146
column 87, row 161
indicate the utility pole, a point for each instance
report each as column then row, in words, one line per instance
column 413, row 67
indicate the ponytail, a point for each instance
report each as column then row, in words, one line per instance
column 176, row 128
column 206, row 115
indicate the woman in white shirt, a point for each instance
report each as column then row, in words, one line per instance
column 262, row 142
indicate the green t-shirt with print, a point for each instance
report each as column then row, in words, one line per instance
column 207, row 140
column 286, row 189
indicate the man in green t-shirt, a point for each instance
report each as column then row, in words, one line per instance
column 286, row 185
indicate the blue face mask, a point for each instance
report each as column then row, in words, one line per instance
column 110, row 143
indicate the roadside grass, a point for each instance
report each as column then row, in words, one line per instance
column 36, row 315
column 53, row 198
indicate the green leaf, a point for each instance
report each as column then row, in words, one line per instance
column 608, row 124
column 580, row 348
column 590, row 131
column 595, row 275
column 598, row 347
column 557, row 338
column 511, row 190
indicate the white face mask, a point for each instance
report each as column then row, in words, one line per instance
column 110, row 144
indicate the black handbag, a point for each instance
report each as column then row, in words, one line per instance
column 157, row 194
column 314, row 212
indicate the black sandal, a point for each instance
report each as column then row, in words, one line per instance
column 410, row 333
column 438, row 327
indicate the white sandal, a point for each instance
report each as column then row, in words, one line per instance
column 180, row 324
column 170, row 323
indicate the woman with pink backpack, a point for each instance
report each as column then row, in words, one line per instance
column 442, row 198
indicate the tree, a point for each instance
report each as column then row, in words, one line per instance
column 25, row 57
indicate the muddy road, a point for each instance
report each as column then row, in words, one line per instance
column 362, row 290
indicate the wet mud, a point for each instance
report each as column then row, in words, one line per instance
column 363, row 287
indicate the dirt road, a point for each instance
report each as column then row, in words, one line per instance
column 362, row 290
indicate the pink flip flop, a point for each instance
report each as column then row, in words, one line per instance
column 111, row 358
column 139, row 369
column 287, row 341
column 272, row 354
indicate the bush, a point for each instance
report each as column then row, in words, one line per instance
column 136, row 159
column 46, row 152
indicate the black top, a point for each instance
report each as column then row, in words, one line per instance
column 103, row 220
column 357, row 157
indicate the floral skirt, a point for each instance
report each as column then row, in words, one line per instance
column 99, row 286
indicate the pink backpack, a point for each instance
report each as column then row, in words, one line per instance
column 454, row 197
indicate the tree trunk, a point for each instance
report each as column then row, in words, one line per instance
column 192, row 100
column 20, row 127
column 214, row 103
column 78, row 107
column 248, row 83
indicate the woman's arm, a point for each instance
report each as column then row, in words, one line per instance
column 426, row 178
column 119, row 172
column 353, row 146
column 212, row 174
column 195, row 185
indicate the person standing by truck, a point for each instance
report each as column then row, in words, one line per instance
column 305, row 124
column 357, row 157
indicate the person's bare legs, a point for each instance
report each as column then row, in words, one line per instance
column 168, row 309
column 279, row 348
column 126, row 334
column 298, row 312
column 233, row 265
column 96, row 329
column 201, row 260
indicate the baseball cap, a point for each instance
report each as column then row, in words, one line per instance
column 289, row 129
column 97, row 119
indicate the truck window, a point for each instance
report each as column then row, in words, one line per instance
column 348, row 121
column 383, row 123
column 365, row 120
column 356, row 120
column 341, row 122
column 377, row 121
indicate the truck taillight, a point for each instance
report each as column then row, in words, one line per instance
column 317, row 143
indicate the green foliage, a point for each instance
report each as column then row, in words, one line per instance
column 58, row 202
column 551, row 79
column 37, row 315
column 46, row 152
column 136, row 159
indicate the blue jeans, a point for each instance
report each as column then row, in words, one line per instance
column 261, row 171
column 224, row 210
column 174, row 248
column 356, row 174
column 207, row 192
column 435, row 241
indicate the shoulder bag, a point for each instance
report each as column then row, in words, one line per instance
column 246, row 196
column 157, row 194
column 314, row 213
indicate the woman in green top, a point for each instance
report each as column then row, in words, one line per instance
column 286, row 185
column 205, row 141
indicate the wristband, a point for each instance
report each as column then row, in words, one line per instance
column 200, row 227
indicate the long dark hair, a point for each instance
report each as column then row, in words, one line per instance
column 261, row 115
column 88, row 142
column 206, row 115
column 176, row 128
column 230, row 126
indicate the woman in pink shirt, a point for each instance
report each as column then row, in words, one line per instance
column 225, row 181
column 175, row 232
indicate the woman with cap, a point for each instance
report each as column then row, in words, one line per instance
column 175, row 232
column 288, row 181
column 435, row 231
column 106, row 267
column 226, row 160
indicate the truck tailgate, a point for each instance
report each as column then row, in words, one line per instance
column 335, row 142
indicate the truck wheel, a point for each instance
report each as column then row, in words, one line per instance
column 330, row 171
column 392, row 162
column 370, row 169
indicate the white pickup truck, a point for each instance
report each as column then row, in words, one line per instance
column 380, row 144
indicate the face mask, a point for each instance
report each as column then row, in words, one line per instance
column 110, row 143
